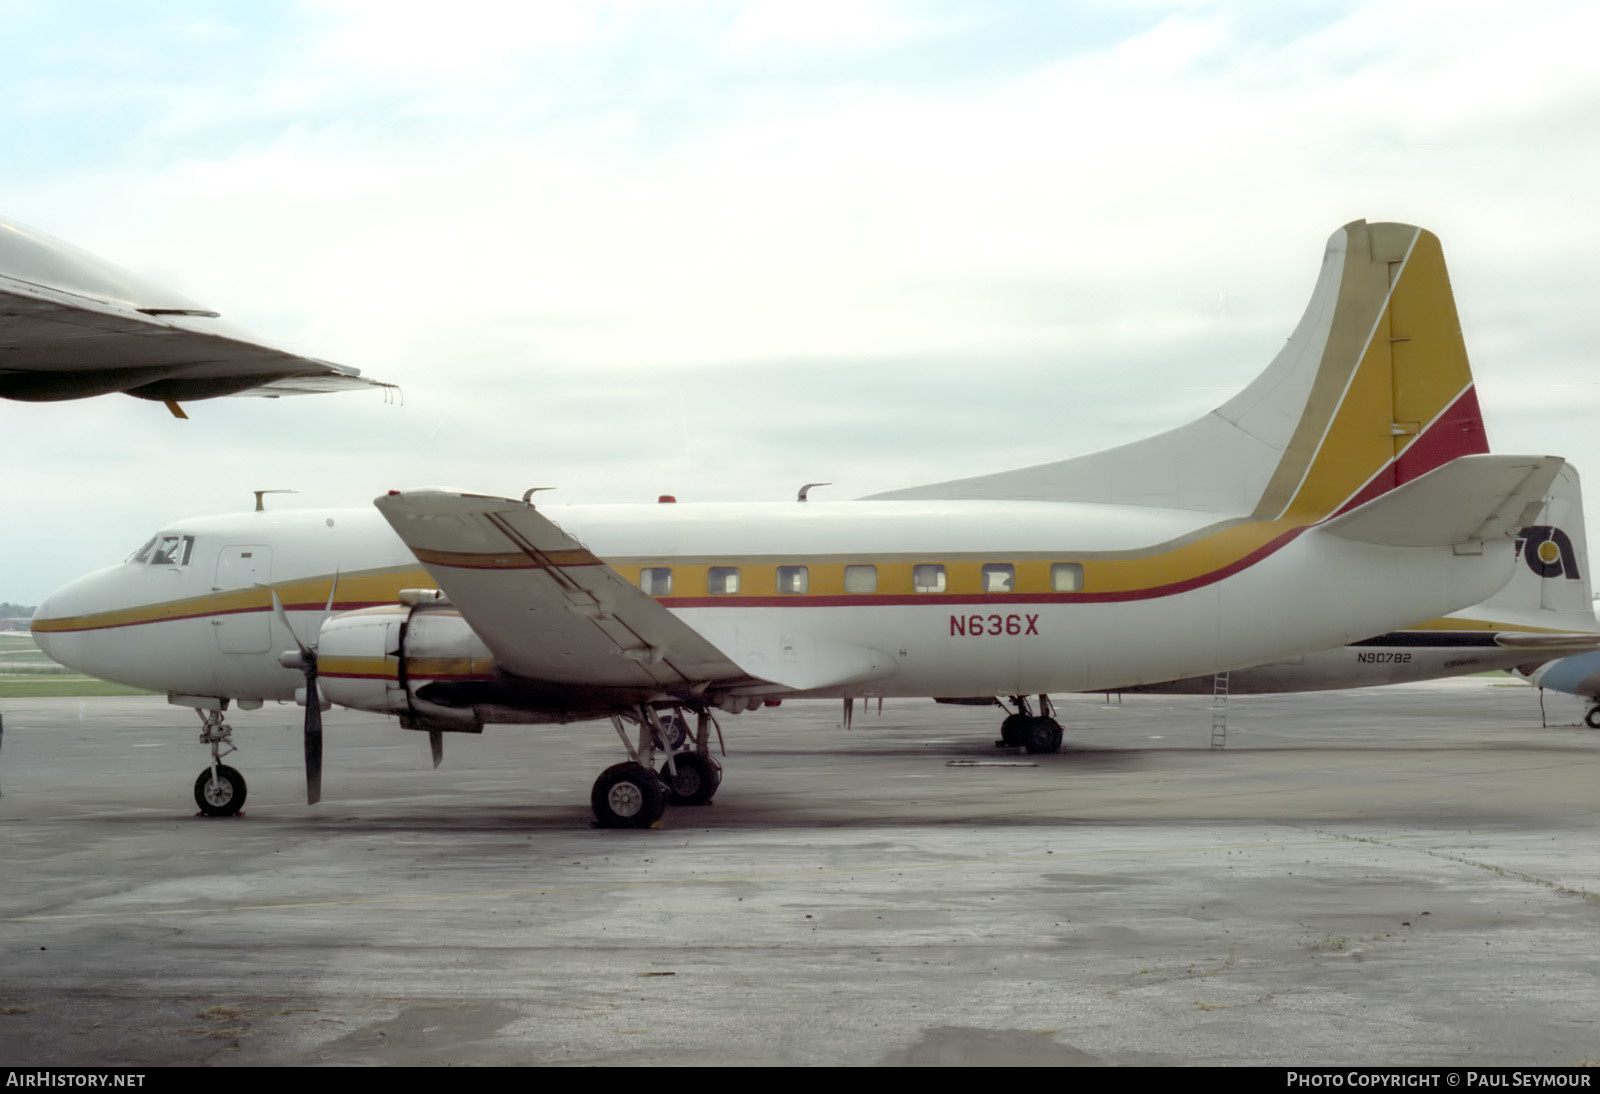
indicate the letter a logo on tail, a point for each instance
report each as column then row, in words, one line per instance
column 1548, row 551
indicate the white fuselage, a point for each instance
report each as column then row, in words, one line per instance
column 206, row 628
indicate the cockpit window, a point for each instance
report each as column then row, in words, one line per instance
column 166, row 550
column 143, row 553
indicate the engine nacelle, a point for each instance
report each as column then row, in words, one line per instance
column 377, row 659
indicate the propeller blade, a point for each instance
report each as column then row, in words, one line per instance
column 333, row 591
column 313, row 733
column 436, row 742
column 283, row 617
column 308, row 665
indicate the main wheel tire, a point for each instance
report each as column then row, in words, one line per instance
column 677, row 732
column 1014, row 730
column 1044, row 735
column 696, row 780
column 1592, row 719
column 628, row 795
column 222, row 796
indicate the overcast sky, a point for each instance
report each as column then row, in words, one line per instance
column 722, row 249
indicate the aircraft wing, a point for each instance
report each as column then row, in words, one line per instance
column 546, row 607
column 73, row 325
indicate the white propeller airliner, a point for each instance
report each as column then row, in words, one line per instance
column 1346, row 492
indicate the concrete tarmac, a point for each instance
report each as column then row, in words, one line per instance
column 1405, row 875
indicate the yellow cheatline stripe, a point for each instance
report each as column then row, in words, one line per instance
column 362, row 587
column 1447, row 624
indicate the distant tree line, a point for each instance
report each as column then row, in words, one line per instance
column 16, row 611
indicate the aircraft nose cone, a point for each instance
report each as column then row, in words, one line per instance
column 44, row 639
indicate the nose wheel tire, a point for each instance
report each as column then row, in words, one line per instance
column 628, row 795
column 222, row 795
column 696, row 780
column 1592, row 719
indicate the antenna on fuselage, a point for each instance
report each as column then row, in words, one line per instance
column 527, row 495
column 260, row 506
column 806, row 489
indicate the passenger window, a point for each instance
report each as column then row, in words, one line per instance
column 1066, row 577
column 723, row 580
column 656, row 580
column 793, row 579
column 999, row 577
column 860, row 579
column 927, row 578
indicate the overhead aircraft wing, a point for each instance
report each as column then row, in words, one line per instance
column 73, row 325
column 546, row 607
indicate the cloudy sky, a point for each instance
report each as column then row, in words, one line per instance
column 719, row 249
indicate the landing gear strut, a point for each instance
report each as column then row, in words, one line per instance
column 632, row 794
column 1037, row 733
column 220, row 790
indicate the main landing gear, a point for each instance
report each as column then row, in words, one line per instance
column 1592, row 719
column 1023, row 729
column 634, row 794
column 220, row 790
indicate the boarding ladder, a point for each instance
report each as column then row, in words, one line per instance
column 1219, row 711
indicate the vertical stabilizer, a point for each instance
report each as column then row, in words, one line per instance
column 1372, row 390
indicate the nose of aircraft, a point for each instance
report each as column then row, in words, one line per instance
column 47, row 611
column 52, row 637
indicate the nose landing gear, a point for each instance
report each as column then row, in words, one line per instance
column 220, row 790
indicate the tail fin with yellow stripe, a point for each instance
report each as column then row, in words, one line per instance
column 1371, row 391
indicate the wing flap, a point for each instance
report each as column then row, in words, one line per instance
column 543, row 603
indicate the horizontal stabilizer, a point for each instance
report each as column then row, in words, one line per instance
column 1470, row 498
column 547, row 608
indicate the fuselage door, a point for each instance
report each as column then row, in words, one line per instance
column 240, row 568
